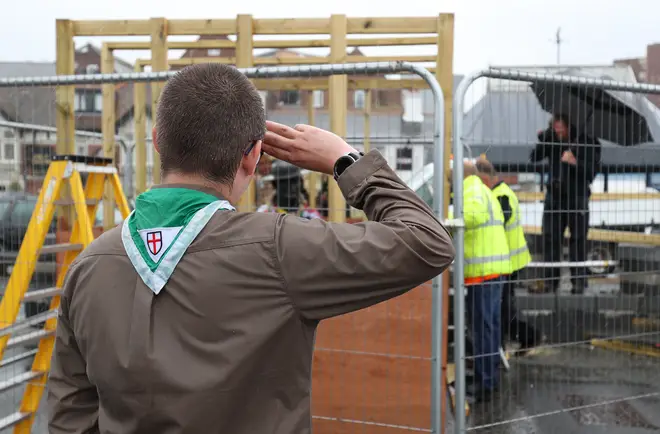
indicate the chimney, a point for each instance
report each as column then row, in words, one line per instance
column 653, row 69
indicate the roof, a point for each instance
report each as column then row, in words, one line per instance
column 503, row 124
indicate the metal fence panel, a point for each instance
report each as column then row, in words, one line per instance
column 373, row 370
column 589, row 210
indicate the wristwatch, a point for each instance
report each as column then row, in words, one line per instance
column 344, row 162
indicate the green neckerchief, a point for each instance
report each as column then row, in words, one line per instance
column 164, row 208
column 164, row 223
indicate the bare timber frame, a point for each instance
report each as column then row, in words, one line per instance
column 336, row 32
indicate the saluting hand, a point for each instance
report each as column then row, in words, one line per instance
column 305, row 146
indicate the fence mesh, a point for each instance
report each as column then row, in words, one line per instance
column 372, row 369
column 579, row 323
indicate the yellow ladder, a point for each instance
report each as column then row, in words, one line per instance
column 64, row 169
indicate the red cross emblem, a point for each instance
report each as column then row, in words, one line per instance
column 155, row 242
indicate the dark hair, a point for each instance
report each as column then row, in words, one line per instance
column 486, row 167
column 209, row 115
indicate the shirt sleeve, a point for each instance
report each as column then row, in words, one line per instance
column 73, row 402
column 331, row 269
column 506, row 207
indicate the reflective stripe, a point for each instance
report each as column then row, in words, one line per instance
column 486, row 259
column 512, row 226
column 518, row 251
column 492, row 221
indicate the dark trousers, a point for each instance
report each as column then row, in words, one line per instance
column 563, row 211
column 513, row 328
column 483, row 303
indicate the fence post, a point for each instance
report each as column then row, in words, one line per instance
column 158, row 63
column 444, row 74
column 244, row 59
column 140, row 133
column 108, row 132
column 337, row 89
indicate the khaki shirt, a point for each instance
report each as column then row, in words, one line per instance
column 227, row 346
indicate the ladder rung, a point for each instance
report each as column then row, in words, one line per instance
column 36, row 335
column 19, row 379
column 41, row 294
column 13, row 419
column 88, row 168
column 66, row 202
column 18, row 358
column 28, row 322
column 58, row 248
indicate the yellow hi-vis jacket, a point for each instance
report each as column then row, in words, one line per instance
column 515, row 235
column 486, row 248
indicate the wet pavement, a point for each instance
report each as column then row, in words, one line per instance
column 574, row 389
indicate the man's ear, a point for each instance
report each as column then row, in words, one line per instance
column 154, row 139
column 251, row 159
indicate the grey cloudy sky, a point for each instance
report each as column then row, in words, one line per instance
column 503, row 32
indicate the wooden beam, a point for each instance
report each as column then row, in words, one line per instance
column 111, row 28
column 172, row 45
column 65, row 95
column 159, row 32
column 244, row 59
column 269, row 26
column 300, row 60
column 392, row 25
column 367, row 121
column 608, row 236
column 312, row 177
column 338, row 88
column 284, row 43
column 140, row 134
column 201, row 27
column 108, row 132
column 292, row 26
column 444, row 27
column 65, row 120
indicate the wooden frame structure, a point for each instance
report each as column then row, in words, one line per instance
column 340, row 33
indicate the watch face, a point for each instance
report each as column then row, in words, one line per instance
column 341, row 165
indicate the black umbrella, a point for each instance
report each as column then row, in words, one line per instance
column 624, row 118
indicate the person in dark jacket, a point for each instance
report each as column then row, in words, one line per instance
column 573, row 160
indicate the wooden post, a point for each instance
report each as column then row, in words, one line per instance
column 367, row 121
column 244, row 29
column 140, row 133
column 337, row 89
column 158, row 28
column 65, row 103
column 313, row 177
column 108, row 131
column 445, row 75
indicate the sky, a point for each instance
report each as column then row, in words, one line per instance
column 487, row 33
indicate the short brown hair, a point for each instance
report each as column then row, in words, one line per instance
column 486, row 167
column 208, row 116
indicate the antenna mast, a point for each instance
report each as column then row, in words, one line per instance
column 558, row 42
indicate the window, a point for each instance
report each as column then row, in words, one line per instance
column 22, row 211
column 9, row 151
column 211, row 52
column 318, row 98
column 404, row 157
column 290, row 97
column 88, row 101
column 9, row 134
column 358, row 99
column 92, row 69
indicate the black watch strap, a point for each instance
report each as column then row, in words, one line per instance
column 344, row 162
